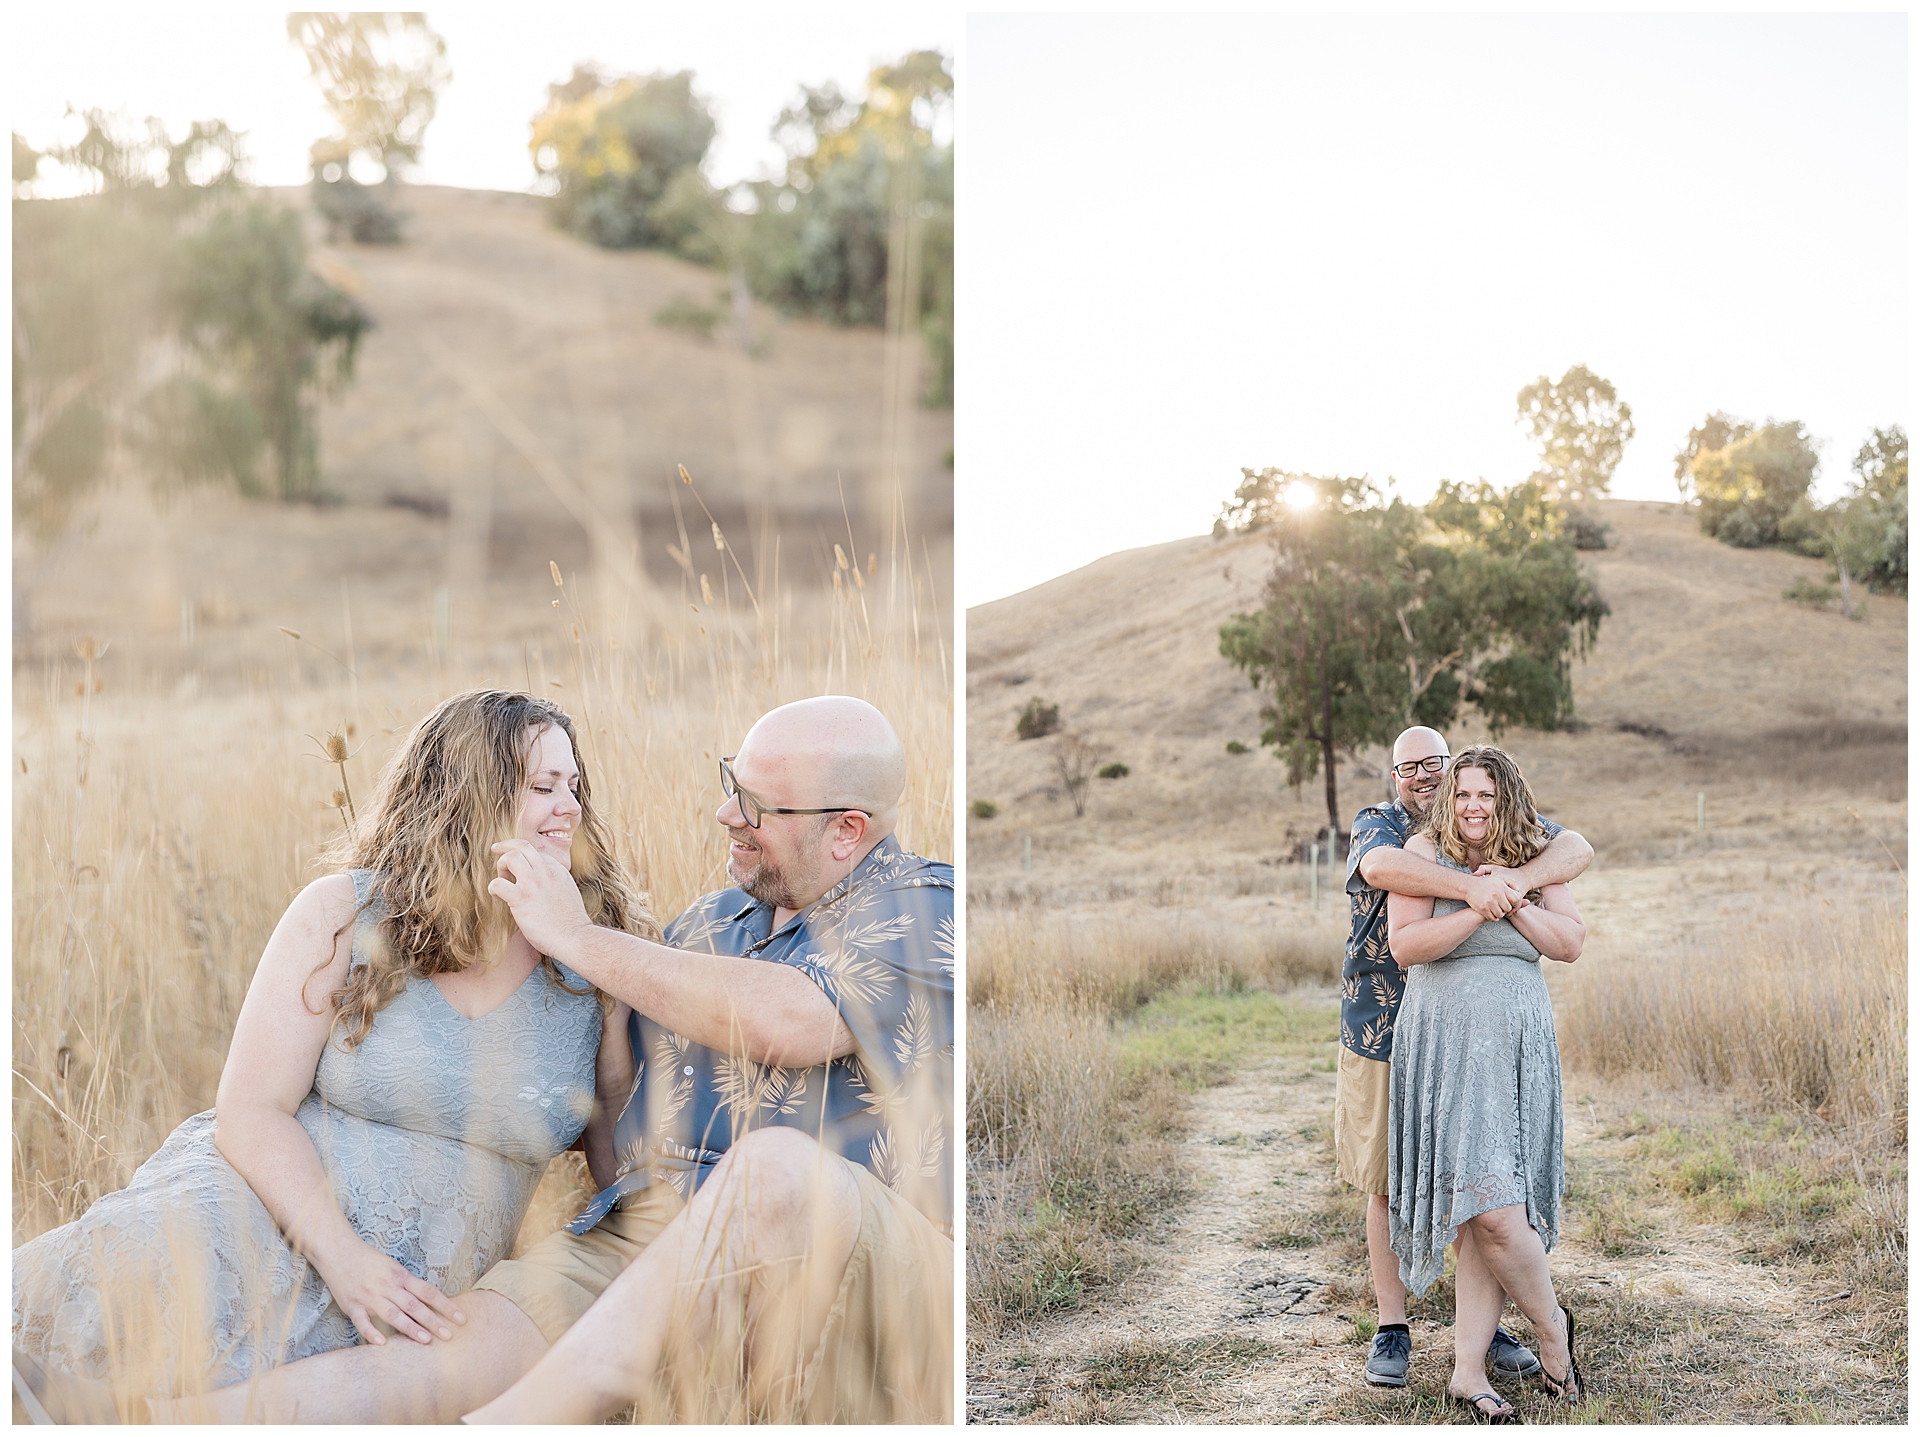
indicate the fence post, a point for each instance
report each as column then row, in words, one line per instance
column 1700, row 814
column 1028, row 860
column 1313, row 873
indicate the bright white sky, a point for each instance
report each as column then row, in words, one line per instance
column 234, row 62
column 1341, row 243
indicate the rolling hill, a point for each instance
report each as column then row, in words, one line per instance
column 518, row 403
column 1704, row 681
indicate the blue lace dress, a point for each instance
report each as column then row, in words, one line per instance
column 1473, row 1108
column 433, row 1133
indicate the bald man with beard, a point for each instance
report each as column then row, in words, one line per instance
column 1371, row 989
column 773, row 1237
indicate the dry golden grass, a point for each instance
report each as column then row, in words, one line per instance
column 1067, row 1127
column 1806, row 1014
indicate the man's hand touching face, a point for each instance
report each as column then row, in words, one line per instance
column 542, row 894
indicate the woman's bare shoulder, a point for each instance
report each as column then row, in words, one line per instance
column 330, row 900
column 315, row 922
column 1421, row 846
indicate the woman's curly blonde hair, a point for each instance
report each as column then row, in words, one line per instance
column 441, row 803
column 1515, row 836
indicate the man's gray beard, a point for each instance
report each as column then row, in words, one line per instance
column 776, row 885
column 771, row 886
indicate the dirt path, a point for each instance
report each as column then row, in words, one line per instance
column 1214, row 1328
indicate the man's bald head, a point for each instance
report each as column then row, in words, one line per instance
column 1418, row 742
column 825, row 752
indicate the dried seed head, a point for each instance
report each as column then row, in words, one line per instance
column 336, row 748
column 839, row 556
column 836, row 581
column 706, row 591
column 555, row 683
column 718, row 541
column 858, row 582
column 554, row 569
column 290, row 633
column 88, row 648
column 556, row 603
column 352, row 728
column 575, row 629
column 339, row 800
column 685, row 478
column 872, row 565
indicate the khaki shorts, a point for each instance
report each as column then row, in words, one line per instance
column 886, row 1351
column 1360, row 1122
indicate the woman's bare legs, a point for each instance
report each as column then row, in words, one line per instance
column 1477, row 1302
column 399, row 1381
column 1513, row 1255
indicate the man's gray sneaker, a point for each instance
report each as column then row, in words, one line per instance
column 1387, row 1362
column 1507, row 1357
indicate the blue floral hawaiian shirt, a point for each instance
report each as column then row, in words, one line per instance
column 881, row 945
column 1371, row 983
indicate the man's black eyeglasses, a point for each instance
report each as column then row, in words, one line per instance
column 1419, row 765
column 751, row 808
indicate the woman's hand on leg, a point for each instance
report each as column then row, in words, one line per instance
column 373, row 1289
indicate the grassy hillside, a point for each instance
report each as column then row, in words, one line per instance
column 517, row 404
column 1704, row 680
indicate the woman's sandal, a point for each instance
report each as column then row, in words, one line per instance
column 1480, row 1414
column 1569, row 1389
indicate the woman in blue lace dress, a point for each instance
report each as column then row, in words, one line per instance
column 1474, row 1117
column 403, row 1068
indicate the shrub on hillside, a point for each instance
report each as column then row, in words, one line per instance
column 1234, row 746
column 983, row 808
column 1585, row 530
column 613, row 146
column 1037, row 719
column 1114, row 770
column 1813, row 595
column 1745, row 489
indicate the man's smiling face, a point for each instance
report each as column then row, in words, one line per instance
column 1418, row 746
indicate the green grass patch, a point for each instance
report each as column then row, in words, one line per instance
column 1199, row 1038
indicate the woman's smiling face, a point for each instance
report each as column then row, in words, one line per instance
column 549, row 800
column 1474, row 797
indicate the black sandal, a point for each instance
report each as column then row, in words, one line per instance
column 1480, row 1414
column 1569, row 1389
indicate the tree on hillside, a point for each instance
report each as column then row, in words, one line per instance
column 1506, row 594
column 381, row 74
column 860, row 230
column 166, row 324
column 1326, row 642
column 1716, row 431
column 622, row 154
column 1863, row 533
column 1880, row 468
column 1745, row 489
column 1377, row 615
column 1582, row 427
